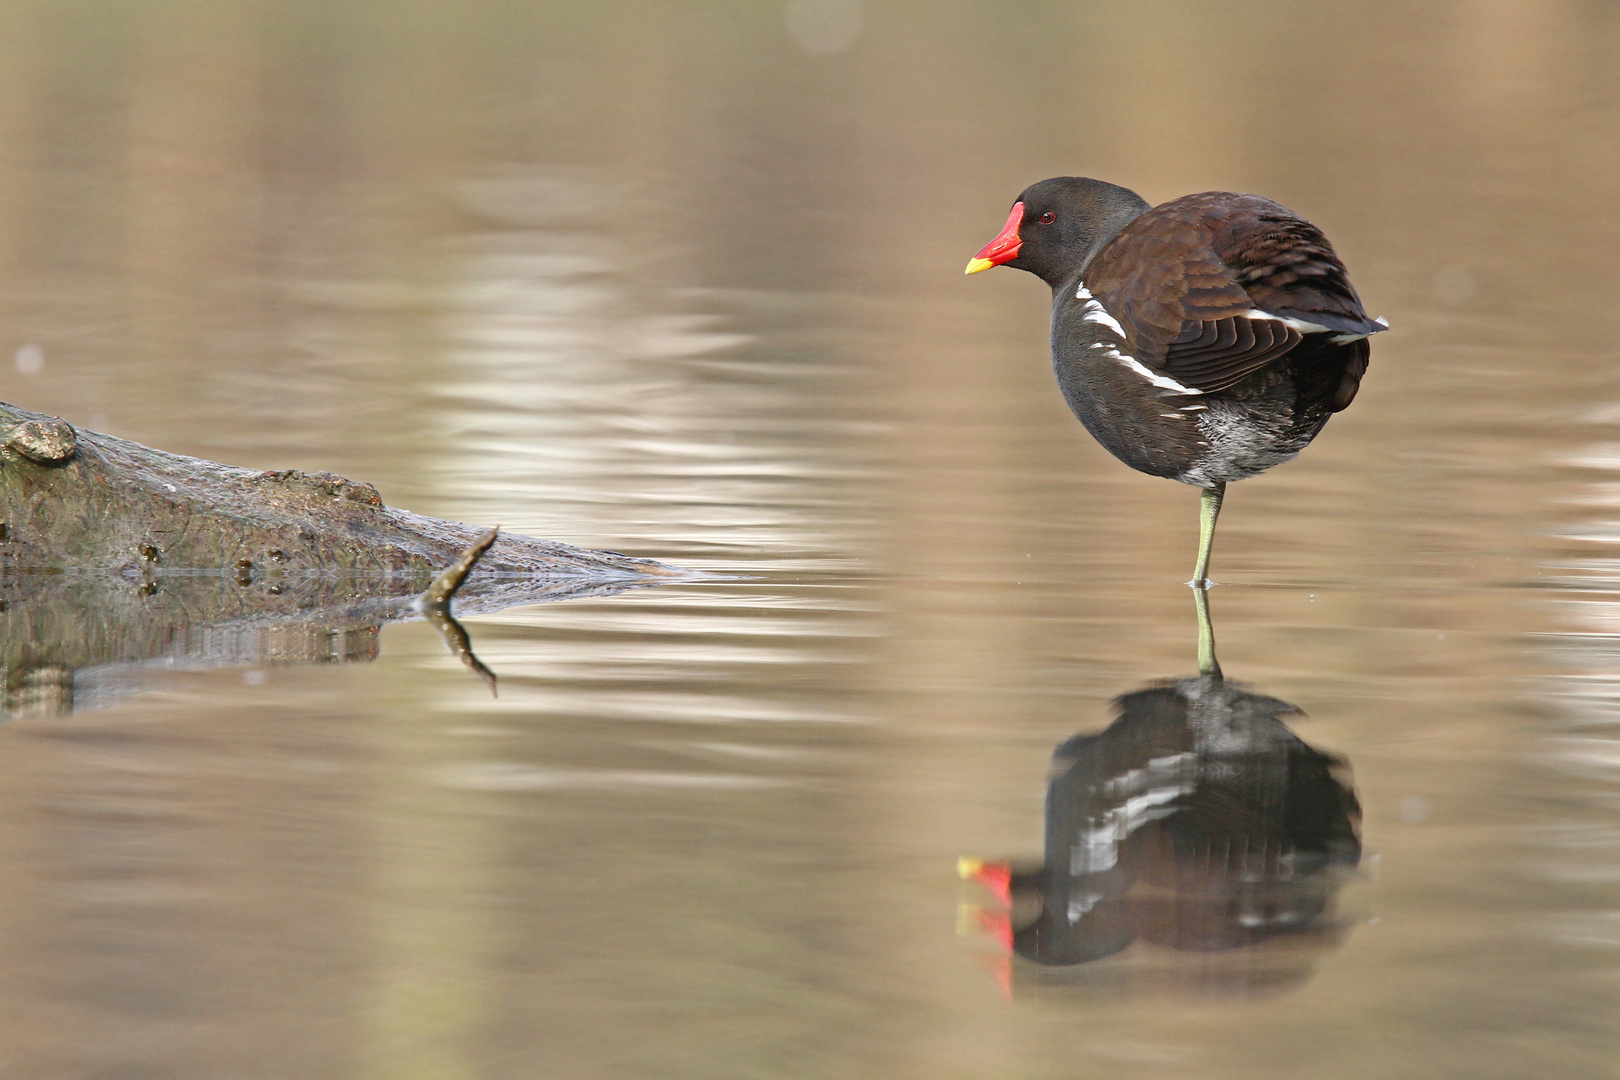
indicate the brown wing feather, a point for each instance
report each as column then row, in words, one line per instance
column 1354, row 369
column 1181, row 278
column 1211, row 355
column 1158, row 275
column 1285, row 264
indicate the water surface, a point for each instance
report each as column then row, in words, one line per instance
column 685, row 282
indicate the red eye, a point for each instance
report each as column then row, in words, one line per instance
column 1048, row 217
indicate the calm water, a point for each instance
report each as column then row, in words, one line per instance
column 685, row 281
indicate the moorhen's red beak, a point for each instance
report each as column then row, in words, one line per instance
column 1004, row 248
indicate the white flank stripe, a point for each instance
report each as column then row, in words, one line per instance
column 1096, row 313
column 1153, row 377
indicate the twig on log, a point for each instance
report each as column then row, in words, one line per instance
column 445, row 585
column 435, row 606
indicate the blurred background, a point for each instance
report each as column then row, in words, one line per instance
column 685, row 281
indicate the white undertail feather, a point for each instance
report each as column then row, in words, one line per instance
column 1305, row 327
column 1287, row 320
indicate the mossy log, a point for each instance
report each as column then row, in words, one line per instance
column 78, row 500
column 116, row 559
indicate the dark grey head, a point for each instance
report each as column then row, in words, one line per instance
column 1057, row 225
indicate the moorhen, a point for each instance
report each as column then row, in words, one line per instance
column 1204, row 340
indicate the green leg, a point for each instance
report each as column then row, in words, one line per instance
column 1209, row 508
column 1207, row 664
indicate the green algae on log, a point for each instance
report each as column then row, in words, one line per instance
column 78, row 500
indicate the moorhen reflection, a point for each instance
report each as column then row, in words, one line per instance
column 1196, row 821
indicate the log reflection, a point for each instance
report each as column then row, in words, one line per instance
column 70, row 642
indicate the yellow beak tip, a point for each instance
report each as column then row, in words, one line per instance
column 975, row 265
column 966, row 867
